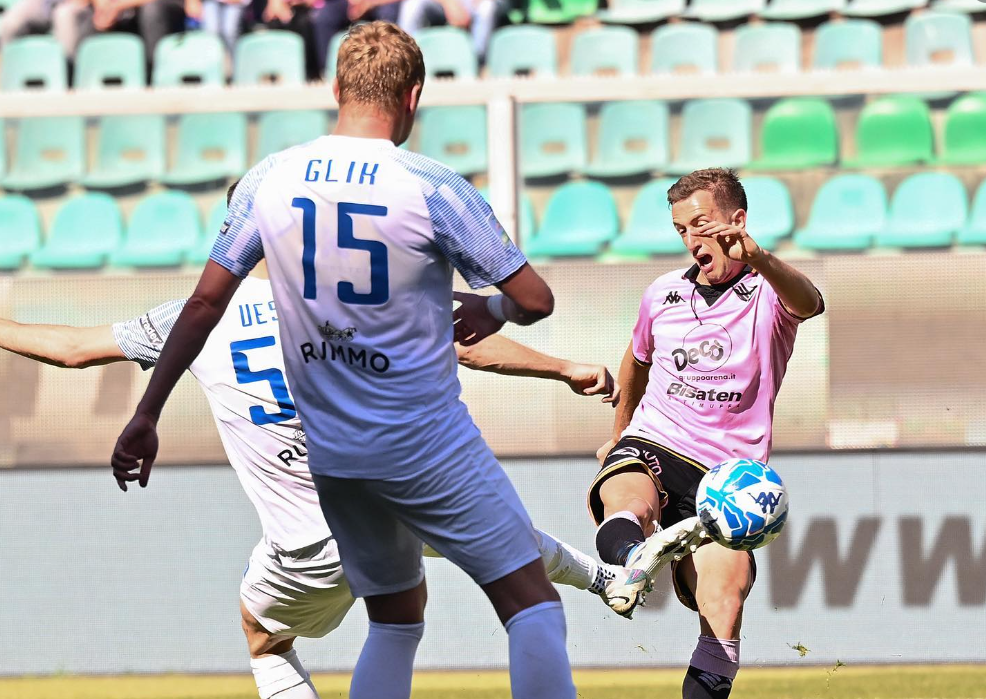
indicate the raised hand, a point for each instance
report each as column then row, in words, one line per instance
column 589, row 380
column 735, row 241
column 472, row 319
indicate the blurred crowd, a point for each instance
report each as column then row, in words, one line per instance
column 316, row 21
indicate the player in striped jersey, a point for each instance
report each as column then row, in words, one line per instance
column 294, row 584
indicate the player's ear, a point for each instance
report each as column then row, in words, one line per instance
column 739, row 218
column 413, row 98
column 335, row 89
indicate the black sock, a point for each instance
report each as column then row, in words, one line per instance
column 615, row 537
column 701, row 684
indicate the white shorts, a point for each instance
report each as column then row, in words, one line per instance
column 464, row 507
column 296, row 593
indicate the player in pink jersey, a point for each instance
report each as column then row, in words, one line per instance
column 707, row 356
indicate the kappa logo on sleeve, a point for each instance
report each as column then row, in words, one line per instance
column 224, row 229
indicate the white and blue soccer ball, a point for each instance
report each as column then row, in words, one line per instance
column 743, row 504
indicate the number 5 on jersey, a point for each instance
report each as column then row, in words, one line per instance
column 379, row 275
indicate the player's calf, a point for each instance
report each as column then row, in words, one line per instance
column 275, row 664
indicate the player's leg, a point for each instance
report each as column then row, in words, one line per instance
column 277, row 670
column 566, row 565
column 631, row 505
column 716, row 581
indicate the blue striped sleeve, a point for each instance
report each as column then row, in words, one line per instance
column 141, row 339
column 238, row 247
column 465, row 229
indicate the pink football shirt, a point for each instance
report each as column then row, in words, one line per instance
column 714, row 369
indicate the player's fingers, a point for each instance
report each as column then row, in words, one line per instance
column 145, row 471
column 614, row 397
column 599, row 386
column 122, row 460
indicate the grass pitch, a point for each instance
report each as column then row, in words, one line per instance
column 892, row 682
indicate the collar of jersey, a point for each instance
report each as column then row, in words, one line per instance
column 713, row 292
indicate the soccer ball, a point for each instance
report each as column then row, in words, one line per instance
column 743, row 504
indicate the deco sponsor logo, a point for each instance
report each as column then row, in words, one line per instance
column 704, row 348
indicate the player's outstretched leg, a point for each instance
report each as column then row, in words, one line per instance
column 531, row 611
column 396, row 627
column 566, row 565
column 276, row 667
column 718, row 580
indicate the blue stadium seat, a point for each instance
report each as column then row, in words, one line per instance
column 199, row 254
column 85, row 231
column 163, row 227
column 552, row 139
column 49, row 152
column 210, row 147
column 605, row 50
column 969, row 6
column 275, row 55
column 974, row 232
column 280, row 130
column 113, row 59
column 714, row 132
column 333, row 56
column 189, row 58
column 848, row 211
column 447, row 52
column 640, row 11
column 927, row 210
column 33, row 62
column 684, row 47
column 938, row 39
column 851, row 43
column 129, row 150
column 3, row 149
column 524, row 49
column 801, row 9
column 579, row 219
column 455, row 136
column 770, row 211
column 649, row 230
column 877, row 8
column 633, row 139
column 20, row 230
column 724, row 10
column 775, row 46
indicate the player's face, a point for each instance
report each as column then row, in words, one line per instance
column 688, row 215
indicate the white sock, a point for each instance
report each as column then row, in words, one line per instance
column 539, row 667
column 282, row 677
column 565, row 564
column 384, row 668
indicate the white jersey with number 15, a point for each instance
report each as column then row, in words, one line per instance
column 361, row 239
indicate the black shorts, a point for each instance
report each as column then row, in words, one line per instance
column 676, row 478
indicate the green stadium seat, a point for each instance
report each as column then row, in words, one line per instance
column 973, row 233
column 272, row 56
column 20, row 230
column 552, row 139
column 969, row 6
column 86, row 229
column 649, row 230
column 770, row 211
column 801, row 9
column 640, row 11
column 49, row 152
column 190, row 58
column 796, row 134
column 333, row 56
column 129, row 150
column 714, row 132
column 848, row 211
column 110, row 60
column 33, row 62
column 927, row 210
column 455, row 136
column 447, row 52
column 280, row 130
column 199, row 254
column 559, row 11
column 579, row 219
column 775, row 47
column 163, row 227
column 877, row 8
column 893, row 131
column 523, row 49
column 964, row 141
column 724, row 10
column 684, row 47
column 605, row 50
column 851, row 43
column 526, row 214
column 633, row 139
column 210, row 147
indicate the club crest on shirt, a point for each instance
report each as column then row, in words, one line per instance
column 330, row 333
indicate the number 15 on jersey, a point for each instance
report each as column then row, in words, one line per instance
column 379, row 273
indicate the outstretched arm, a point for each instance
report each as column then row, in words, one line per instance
column 500, row 355
column 63, row 346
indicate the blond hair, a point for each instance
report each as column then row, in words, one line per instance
column 378, row 64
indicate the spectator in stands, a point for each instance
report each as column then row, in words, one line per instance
column 152, row 19
column 297, row 16
column 478, row 16
column 222, row 17
column 337, row 15
column 60, row 17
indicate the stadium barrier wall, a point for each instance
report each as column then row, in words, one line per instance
column 884, row 557
column 891, row 363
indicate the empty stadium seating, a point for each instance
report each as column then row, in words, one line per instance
column 640, row 11
column 579, row 219
column 892, row 131
column 129, row 150
column 162, row 229
column 110, row 60
column 798, row 133
column 552, row 139
column 33, row 62
column 633, row 139
column 527, row 50
column 605, row 50
column 20, row 230
column 447, row 52
column 210, row 147
column 455, row 136
column 276, row 56
column 48, row 152
column 713, row 132
column 847, row 213
column 191, row 58
column 86, row 230
column 775, row 46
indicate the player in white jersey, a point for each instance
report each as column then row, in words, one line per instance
column 294, row 584
column 361, row 239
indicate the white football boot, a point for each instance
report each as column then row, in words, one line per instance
column 648, row 558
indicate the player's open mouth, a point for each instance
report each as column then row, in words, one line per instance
column 704, row 261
